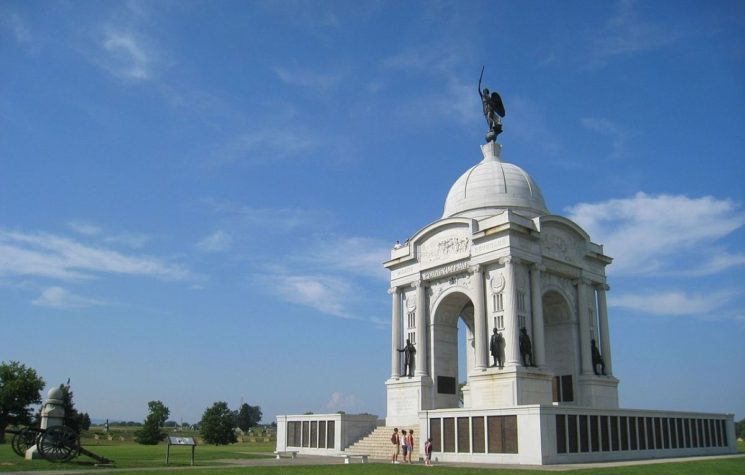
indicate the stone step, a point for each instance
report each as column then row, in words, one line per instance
column 377, row 444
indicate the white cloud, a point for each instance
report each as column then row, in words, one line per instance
column 324, row 293
column 127, row 55
column 216, row 242
column 268, row 219
column 266, row 145
column 47, row 255
column 86, row 229
column 648, row 233
column 309, row 79
column 674, row 302
column 57, row 297
column 358, row 256
column 344, row 402
column 626, row 33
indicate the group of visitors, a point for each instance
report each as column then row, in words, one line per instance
column 404, row 442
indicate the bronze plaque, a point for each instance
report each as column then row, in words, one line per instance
column 306, row 433
column 331, row 435
column 509, row 426
column 464, row 435
column 434, row 433
column 650, row 433
column 555, row 389
column 632, row 433
column 567, row 391
column 614, row 432
column 322, row 435
column 584, row 443
column 604, row 433
column 446, row 385
column 314, row 434
column 623, row 420
column 561, row 438
column 573, row 439
column 477, row 435
column 657, row 433
column 595, row 433
column 448, row 432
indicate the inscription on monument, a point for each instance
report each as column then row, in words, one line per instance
column 445, row 270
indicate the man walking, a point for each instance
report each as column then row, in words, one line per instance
column 396, row 440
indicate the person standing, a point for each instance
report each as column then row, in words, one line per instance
column 410, row 443
column 396, row 440
column 403, row 444
column 428, row 452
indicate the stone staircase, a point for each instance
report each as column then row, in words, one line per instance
column 377, row 444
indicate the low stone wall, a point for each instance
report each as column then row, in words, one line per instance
column 543, row 434
column 322, row 434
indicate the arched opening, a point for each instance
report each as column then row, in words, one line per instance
column 452, row 357
column 562, row 357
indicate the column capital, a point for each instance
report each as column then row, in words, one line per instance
column 394, row 290
column 475, row 268
column 418, row 283
column 601, row 286
column 582, row 280
column 537, row 266
column 509, row 260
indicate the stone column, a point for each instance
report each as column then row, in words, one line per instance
column 395, row 332
column 604, row 332
column 511, row 323
column 479, row 319
column 536, row 305
column 585, row 352
column 420, row 362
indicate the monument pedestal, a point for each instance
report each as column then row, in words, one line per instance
column 508, row 387
column 597, row 391
column 406, row 397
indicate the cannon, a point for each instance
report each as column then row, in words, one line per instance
column 55, row 444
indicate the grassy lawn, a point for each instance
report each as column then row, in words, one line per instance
column 131, row 455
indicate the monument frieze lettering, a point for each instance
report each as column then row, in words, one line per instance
column 445, row 270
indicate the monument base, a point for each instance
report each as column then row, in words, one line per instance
column 406, row 397
column 509, row 387
column 597, row 391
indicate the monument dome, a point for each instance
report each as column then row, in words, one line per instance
column 492, row 186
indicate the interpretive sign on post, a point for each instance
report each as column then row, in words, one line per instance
column 187, row 441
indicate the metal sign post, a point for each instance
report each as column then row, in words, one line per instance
column 188, row 441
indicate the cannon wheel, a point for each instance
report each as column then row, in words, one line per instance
column 23, row 440
column 59, row 444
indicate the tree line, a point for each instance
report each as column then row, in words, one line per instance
column 21, row 386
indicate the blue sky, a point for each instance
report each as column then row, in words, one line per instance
column 196, row 197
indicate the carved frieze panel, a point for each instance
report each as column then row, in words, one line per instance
column 445, row 246
column 562, row 246
column 402, row 272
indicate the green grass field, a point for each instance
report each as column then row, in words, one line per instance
column 216, row 461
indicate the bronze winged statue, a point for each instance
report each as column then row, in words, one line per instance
column 493, row 110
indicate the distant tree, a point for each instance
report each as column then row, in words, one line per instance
column 740, row 429
column 159, row 411
column 247, row 416
column 216, row 426
column 19, row 388
column 73, row 419
column 150, row 434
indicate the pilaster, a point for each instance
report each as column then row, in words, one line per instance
column 536, row 305
column 479, row 318
column 420, row 361
column 604, row 331
column 583, row 315
column 395, row 331
column 511, row 324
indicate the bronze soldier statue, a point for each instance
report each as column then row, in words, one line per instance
column 495, row 346
column 597, row 359
column 408, row 352
column 526, row 349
